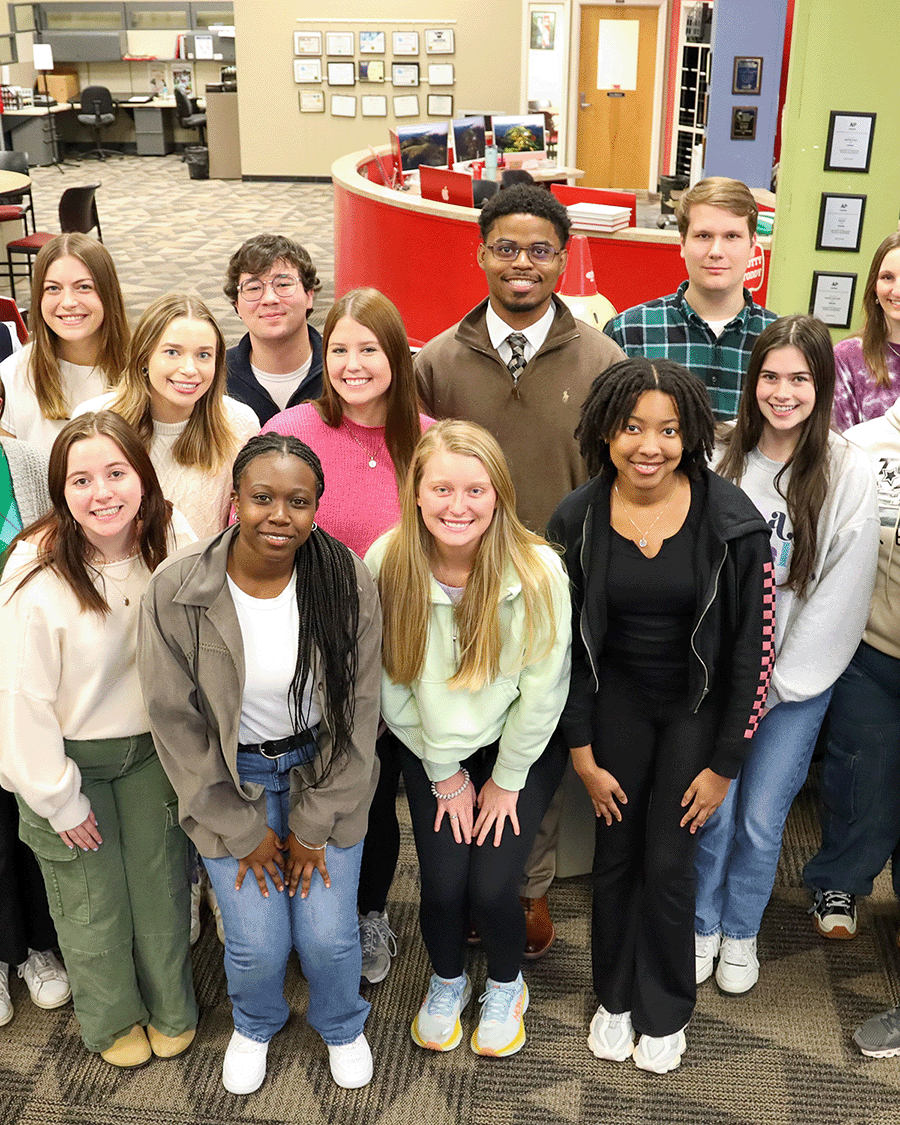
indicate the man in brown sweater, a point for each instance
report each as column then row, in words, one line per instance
column 520, row 365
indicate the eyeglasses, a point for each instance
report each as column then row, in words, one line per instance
column 282, row 286
column 539, row 253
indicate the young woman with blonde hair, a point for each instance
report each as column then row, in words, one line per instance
column 79, row 338
column 173, row 393
column 477, row 634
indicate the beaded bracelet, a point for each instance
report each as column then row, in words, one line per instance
column 456, row 792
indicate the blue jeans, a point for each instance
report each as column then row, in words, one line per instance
column 739, row 846
column 860, row 809
column 259, row 932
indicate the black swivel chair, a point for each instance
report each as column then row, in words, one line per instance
column 20, row 200
column 77, row 212
column 98, row 111
column 188, row 117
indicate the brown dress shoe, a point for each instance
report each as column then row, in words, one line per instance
column 539, row 930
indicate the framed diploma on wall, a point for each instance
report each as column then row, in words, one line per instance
column 840, row 222
column 831, row 299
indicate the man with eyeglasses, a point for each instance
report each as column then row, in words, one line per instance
column 271, row 282
column 520, row 365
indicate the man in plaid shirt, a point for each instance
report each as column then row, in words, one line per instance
column 711, row 324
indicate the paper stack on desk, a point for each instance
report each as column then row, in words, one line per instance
column 599, row 216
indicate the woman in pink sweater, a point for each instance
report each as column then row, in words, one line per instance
column 364, row 429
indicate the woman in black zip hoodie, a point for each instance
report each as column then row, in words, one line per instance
column 673, row 607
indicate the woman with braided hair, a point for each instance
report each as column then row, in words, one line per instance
column 276, row 614
column 671, row 576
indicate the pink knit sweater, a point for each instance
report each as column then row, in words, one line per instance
column 360, row 503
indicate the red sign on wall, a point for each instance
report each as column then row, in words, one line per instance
column 756, row 270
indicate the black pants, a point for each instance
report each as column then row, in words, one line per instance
column 463, row 881
column 382, row 846
column 25, row 921
column 642, row 937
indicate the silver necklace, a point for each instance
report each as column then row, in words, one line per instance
column 373, row 464
column 115, row 581
column 642, row 542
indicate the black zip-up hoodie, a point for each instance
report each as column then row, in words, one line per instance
column 732, row 639
column 245, row 387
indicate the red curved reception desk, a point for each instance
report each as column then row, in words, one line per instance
column 422, row 254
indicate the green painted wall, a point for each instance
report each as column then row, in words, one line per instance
column 841, row 56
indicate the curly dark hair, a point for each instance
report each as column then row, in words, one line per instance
column 525, row 199
column 611, row 401
column 328, row 603
column 260, row 253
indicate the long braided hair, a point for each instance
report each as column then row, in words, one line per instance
column 328, row 604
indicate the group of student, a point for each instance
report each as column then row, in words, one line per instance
column 234, row 620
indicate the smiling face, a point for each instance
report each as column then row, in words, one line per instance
column 72, row 310
column 359, row 371
column 457, row 501
column 520, row 291
column 716, row 250
column 272, row 318
column 648, row 449
column 276, row 505
column 887, row 292
column 180, row 369
column 103, row 492
column 785, row 392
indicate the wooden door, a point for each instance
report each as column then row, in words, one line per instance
column 615, row 126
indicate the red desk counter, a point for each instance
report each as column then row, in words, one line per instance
column 422, row 253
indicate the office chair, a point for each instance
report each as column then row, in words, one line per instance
column 9, row 314
column 98, row 110
column 188, row 116
column 17, row 204
column 77, row 212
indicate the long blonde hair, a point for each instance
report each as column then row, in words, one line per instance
column 207, row 441
column 405, row 577
column 43, row 363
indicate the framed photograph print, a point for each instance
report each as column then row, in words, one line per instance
column 374, row 105
column 307, row 71
column 405, row 74
column 406, row 105
column 831, row 299
column 439, row 41
column 343, row 105
column 405, row 42
column 543, row 31
column 440, row 105
column 440, row 74
column 840, row 222
column 849, row 147
column 312, row 101
column 371, row 42
column 339, row 43
column 341, row 74
column 746, row 78
column 307, row 42
column 743, row 122
column 371, row 70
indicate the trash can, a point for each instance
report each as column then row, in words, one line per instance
column 197, row 159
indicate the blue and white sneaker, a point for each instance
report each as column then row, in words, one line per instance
column 437, row 1025
column 501, row 1030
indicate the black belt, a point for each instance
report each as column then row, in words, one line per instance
column 275, row 747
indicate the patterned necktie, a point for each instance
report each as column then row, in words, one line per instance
column 516, row 361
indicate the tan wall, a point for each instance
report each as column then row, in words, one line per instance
column 277, row 140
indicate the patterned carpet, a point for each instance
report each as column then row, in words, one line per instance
column 781, row 1055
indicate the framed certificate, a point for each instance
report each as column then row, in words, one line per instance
column 343, row 105
column 439, row 41
column 440, row 105
column 374, row 105
column 371, row 42
column 341, row 74
column 371, row 70
column 840, row 222
column 440, row 74
column 746, row 78
column 312, row 101
column 339, row 43
column 405, row 42
column 406, row 105
column 849, row 147
column 831, row 299
column 307, row 42
column 405, row 74
column 307, row 71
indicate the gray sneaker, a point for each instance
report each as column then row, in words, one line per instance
column 379, row 945
column 879, row 1037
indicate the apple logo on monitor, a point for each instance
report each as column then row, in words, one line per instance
column 445, row 195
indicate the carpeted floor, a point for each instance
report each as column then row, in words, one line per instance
column 781, row 1055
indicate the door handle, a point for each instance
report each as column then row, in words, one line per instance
column 582, row 104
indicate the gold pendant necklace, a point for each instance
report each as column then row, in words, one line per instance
column 373, row 464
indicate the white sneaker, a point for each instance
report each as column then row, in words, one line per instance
column 661, row 1053
column 48, row 983
column 351, row 1063
column 611, row 1035
column 437, row 1025
column 6, row 1004
column 706, row 950
column 738, row 969
column 213, row 904
column 196, row 895
column 244, row 1065
column 501, row 1028
column 379, row 945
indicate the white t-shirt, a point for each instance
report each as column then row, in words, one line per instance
column 269, row 628
column 281, row 387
